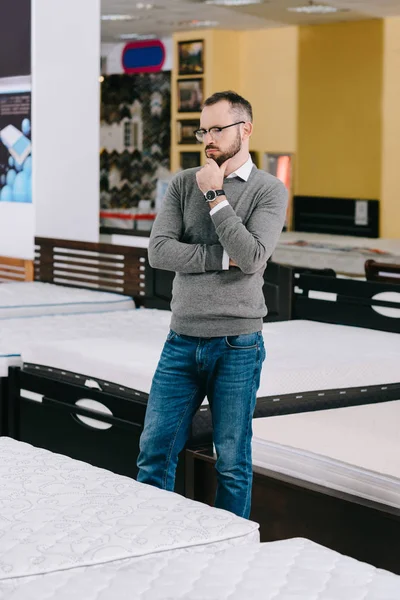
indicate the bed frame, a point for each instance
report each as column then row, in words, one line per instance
column 287, row 507
column 102, row 267
column 105, row 267
column 15, row 269
column 42, row 406
column 379, row 271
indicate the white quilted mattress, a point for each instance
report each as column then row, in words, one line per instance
column 294, row 569
column 333, row 448
column 57, row 513
column 344, row 254
column 29, row 299
column 126, row 329
column 301, row 355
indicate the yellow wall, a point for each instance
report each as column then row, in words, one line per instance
column 328, row 93
column 260, row 65
column 268, row 68
column 390, row 192
column 339, row 126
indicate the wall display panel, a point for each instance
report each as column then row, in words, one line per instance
column 15, row 147
column 15, row 38
column 135, row 138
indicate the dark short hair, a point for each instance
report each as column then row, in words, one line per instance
column 238, row 103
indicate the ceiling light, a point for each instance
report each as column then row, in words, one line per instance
column 137, row 36
column 117, row 17
column 315, row 9
column 196, row 23
column 233, row 2
column 143, row 6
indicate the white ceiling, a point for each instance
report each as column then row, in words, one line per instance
column 168, row 16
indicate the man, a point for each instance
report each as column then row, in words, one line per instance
column 218, row 226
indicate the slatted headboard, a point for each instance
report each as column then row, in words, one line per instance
column 379, row 271
column 15, row 269
column 107, row 267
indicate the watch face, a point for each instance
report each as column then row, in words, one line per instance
column 210, row 195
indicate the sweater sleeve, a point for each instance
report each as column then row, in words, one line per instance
column 167, row 252
column 251, row 246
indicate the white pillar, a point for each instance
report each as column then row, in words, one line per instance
column 65, row 118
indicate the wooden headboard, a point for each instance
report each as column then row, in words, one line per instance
column 107, row 267
column 15, row 269
column 379, row 271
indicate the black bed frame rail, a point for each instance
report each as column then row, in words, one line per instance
column 53, row 423
column 348, row 302
column 286, row 404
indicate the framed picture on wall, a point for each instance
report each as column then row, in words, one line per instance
column 280, row 164
column 190, row 95
column 188, row 160
column 186, row 129
column 191, row 57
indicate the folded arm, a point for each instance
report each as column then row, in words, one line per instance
column 250, row 246
column 168, row 253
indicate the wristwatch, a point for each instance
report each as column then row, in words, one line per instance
column 212, row 194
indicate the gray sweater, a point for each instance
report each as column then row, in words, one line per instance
column 208, row 301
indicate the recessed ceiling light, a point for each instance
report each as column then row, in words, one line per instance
column 137, row 36
column 233, row 2
column 143, row 6
column 117, row 17
column 315, row 9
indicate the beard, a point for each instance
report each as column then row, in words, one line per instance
column 230, row 152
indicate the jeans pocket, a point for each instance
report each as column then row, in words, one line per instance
column 245, row 341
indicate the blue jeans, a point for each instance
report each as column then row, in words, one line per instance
column 226, row 370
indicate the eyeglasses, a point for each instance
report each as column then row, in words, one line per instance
column 215, row 132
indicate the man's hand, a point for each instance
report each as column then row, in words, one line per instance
column 211, row 176
column 232, row 263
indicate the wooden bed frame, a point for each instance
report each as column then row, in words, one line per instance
column 100, row 267
column 288, row 507
column 379, row 271
column 41, row 402
column 15, row 269
column 97, row 266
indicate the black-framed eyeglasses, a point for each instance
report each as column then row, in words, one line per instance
column 215, row 132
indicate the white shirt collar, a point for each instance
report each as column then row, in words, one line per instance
column 244, row 171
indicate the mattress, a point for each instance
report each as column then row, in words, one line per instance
column 148, row 326
column 344, row 254
column 28, row 299
column 332, row 448
column 302, row 356
column 57, row 513
column 295, row 569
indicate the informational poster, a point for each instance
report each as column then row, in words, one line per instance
column 15, row 38
column 15, row 147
